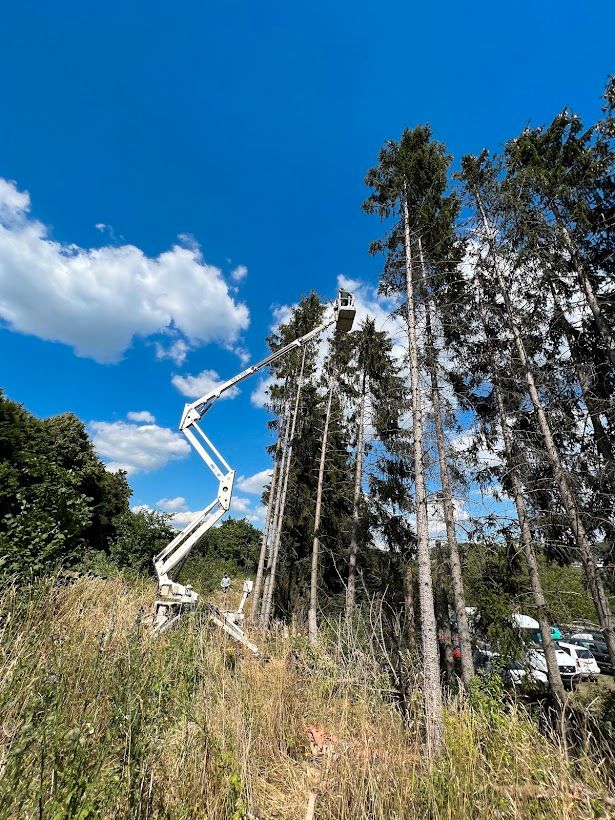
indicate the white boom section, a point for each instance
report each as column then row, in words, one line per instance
column 174, row 597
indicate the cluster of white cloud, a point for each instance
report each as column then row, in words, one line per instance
column 141, row 416
column 176, row 351
column 99, row 299
column 138, row 445
column 260, row 395
column 239, row 273
column 171, row 505
column 255, row 484
column 254, row 512
column 178, row 507
column 436, row 526
column 241, row 507
column 203, row 382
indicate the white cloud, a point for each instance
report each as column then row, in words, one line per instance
column 13, row 203
column 99, row 299
column 182, row 518
column 172, row 504
column 435, row 516
column 108, row 229
column 136, row 448
column 240, row 505
column 260, row 394
column 141, row 415
column 282, row 314
column 243, row 508
column 141, row 508
column 436, row 526
column 370, row 304
column 255, row 484
column 179, row 518
column 176, row 351
column 242, row 354
column 203, row 382
column 239, row 273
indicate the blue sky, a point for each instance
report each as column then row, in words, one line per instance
column 245, row 129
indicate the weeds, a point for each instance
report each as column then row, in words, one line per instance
column 99, row 720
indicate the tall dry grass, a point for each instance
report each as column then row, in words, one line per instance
column 99, row 720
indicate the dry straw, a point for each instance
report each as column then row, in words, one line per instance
column 99, row 720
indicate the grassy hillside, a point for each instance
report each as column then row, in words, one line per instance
column 99, row 720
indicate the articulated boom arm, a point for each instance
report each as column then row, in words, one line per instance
column 173, row 596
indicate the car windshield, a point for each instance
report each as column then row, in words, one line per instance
column 583, row 653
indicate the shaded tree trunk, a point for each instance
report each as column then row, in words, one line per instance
column 555, row 678
column 463, row 627
column 273, row 492
column 352, row 558
column 279, row 521
column 431, row 667
column 269, row 570
column 409, row 602
column 444, row 623
column 312, row 612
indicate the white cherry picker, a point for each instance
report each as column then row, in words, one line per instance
column 174, row 598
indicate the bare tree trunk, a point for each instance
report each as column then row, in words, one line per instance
column 463, row 627
column 312, row 612
column 431, row 668
column 409, row 602
column 273, row 492
column 594, row 580
column 555, row 678
column 352, row 558
column 274, row 523
column 279, row 521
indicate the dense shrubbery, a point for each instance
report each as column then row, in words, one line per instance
column 60, row 507
column 57, row 500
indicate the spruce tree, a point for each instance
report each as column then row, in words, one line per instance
column 402, row 188
column 483, row 186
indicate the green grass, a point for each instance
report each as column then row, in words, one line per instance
column 99, row 720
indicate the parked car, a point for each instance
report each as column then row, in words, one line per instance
column 571, row 674
column 600, row 652
column 512, row 671
column 518, row 675
column 584, row 659
column 588, row 636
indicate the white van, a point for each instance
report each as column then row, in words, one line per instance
column 585, row 660
column 568, row 669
